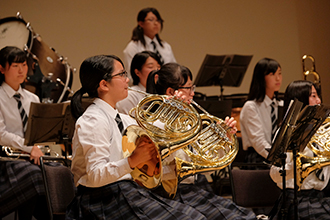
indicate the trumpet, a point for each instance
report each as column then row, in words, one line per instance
column 16, row 154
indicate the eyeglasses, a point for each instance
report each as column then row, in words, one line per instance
column 152, row 20
column 191, row 88
column 122, row 74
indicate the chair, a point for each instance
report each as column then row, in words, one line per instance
column 253, row 188
column 59, row 188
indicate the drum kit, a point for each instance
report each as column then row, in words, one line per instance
column 49, row 76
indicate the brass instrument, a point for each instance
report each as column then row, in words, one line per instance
column 16, row 154
column 181, row 122
column 311, row 71
column 305, row 164
column 215, row 147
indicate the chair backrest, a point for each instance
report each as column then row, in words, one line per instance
column 253, row 188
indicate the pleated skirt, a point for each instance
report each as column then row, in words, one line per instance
column 312, row 205
column 126, row 200
column 210, row 204
column 20, row 181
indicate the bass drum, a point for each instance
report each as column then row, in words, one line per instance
column 49, row 75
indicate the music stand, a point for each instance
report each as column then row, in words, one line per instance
column 294, row 135
column 48, row 122
column 220, row 109
column 223, row 70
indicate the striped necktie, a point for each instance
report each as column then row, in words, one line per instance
column 157, row 52
column 21, row 111
column 119, row 123
column 274, row 119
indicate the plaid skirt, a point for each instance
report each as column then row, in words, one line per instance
column 20, row 181
column 210, row 204
column 126, row 200
column 312, row 205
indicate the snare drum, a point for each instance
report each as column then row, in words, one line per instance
column 44, row 62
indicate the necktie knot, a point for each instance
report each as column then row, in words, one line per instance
column 17, row 96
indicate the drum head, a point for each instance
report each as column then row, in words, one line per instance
column 13, row 32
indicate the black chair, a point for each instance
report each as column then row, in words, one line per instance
column 59, row 188
column 253, row 188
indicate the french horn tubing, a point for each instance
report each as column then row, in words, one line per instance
column 215, row 147
column 306, row 164
column 181, row 125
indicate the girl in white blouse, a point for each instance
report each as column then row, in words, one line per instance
column 312, row 202
column 106, row 189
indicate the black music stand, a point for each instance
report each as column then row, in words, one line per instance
column 223, row 70
column 294, row 135
column 49, row 122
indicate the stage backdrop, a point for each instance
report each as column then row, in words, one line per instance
column 279, row 29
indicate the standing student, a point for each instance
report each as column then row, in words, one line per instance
column 101, row 172
column 146, row 37
column 21, row 183
column 175, row 79
column 312, row 202
column 258, row 118
column 142, row 64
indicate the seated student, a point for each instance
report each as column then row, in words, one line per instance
column 142, row 64
column 21, row 184
column 174, row 79
column 312, row 203
column 106, row 189
column 258, row 118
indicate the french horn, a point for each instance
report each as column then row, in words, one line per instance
column 306, row 164
column 181, row 125
column 214, row 149
column 214, row 146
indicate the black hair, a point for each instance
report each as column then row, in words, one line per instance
column 299, row 89
column 139, row 60
column 92, row 71
column 258, row 84
column 10, row 54
column 170, row 75
column 138, row 34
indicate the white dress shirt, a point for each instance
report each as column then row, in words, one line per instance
column 132, row 100
column 311, row 181
column 97, row 147
column 11, row 127
column 256, row 124
column 135, row 47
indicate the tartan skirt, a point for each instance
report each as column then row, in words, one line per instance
column 126, row 200
column 210, row 204
column 312, row 205
column 20, row 181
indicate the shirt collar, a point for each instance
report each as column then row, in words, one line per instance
column 10, row 91
column 107, row 108
column 148, row 40
column 268, row 101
